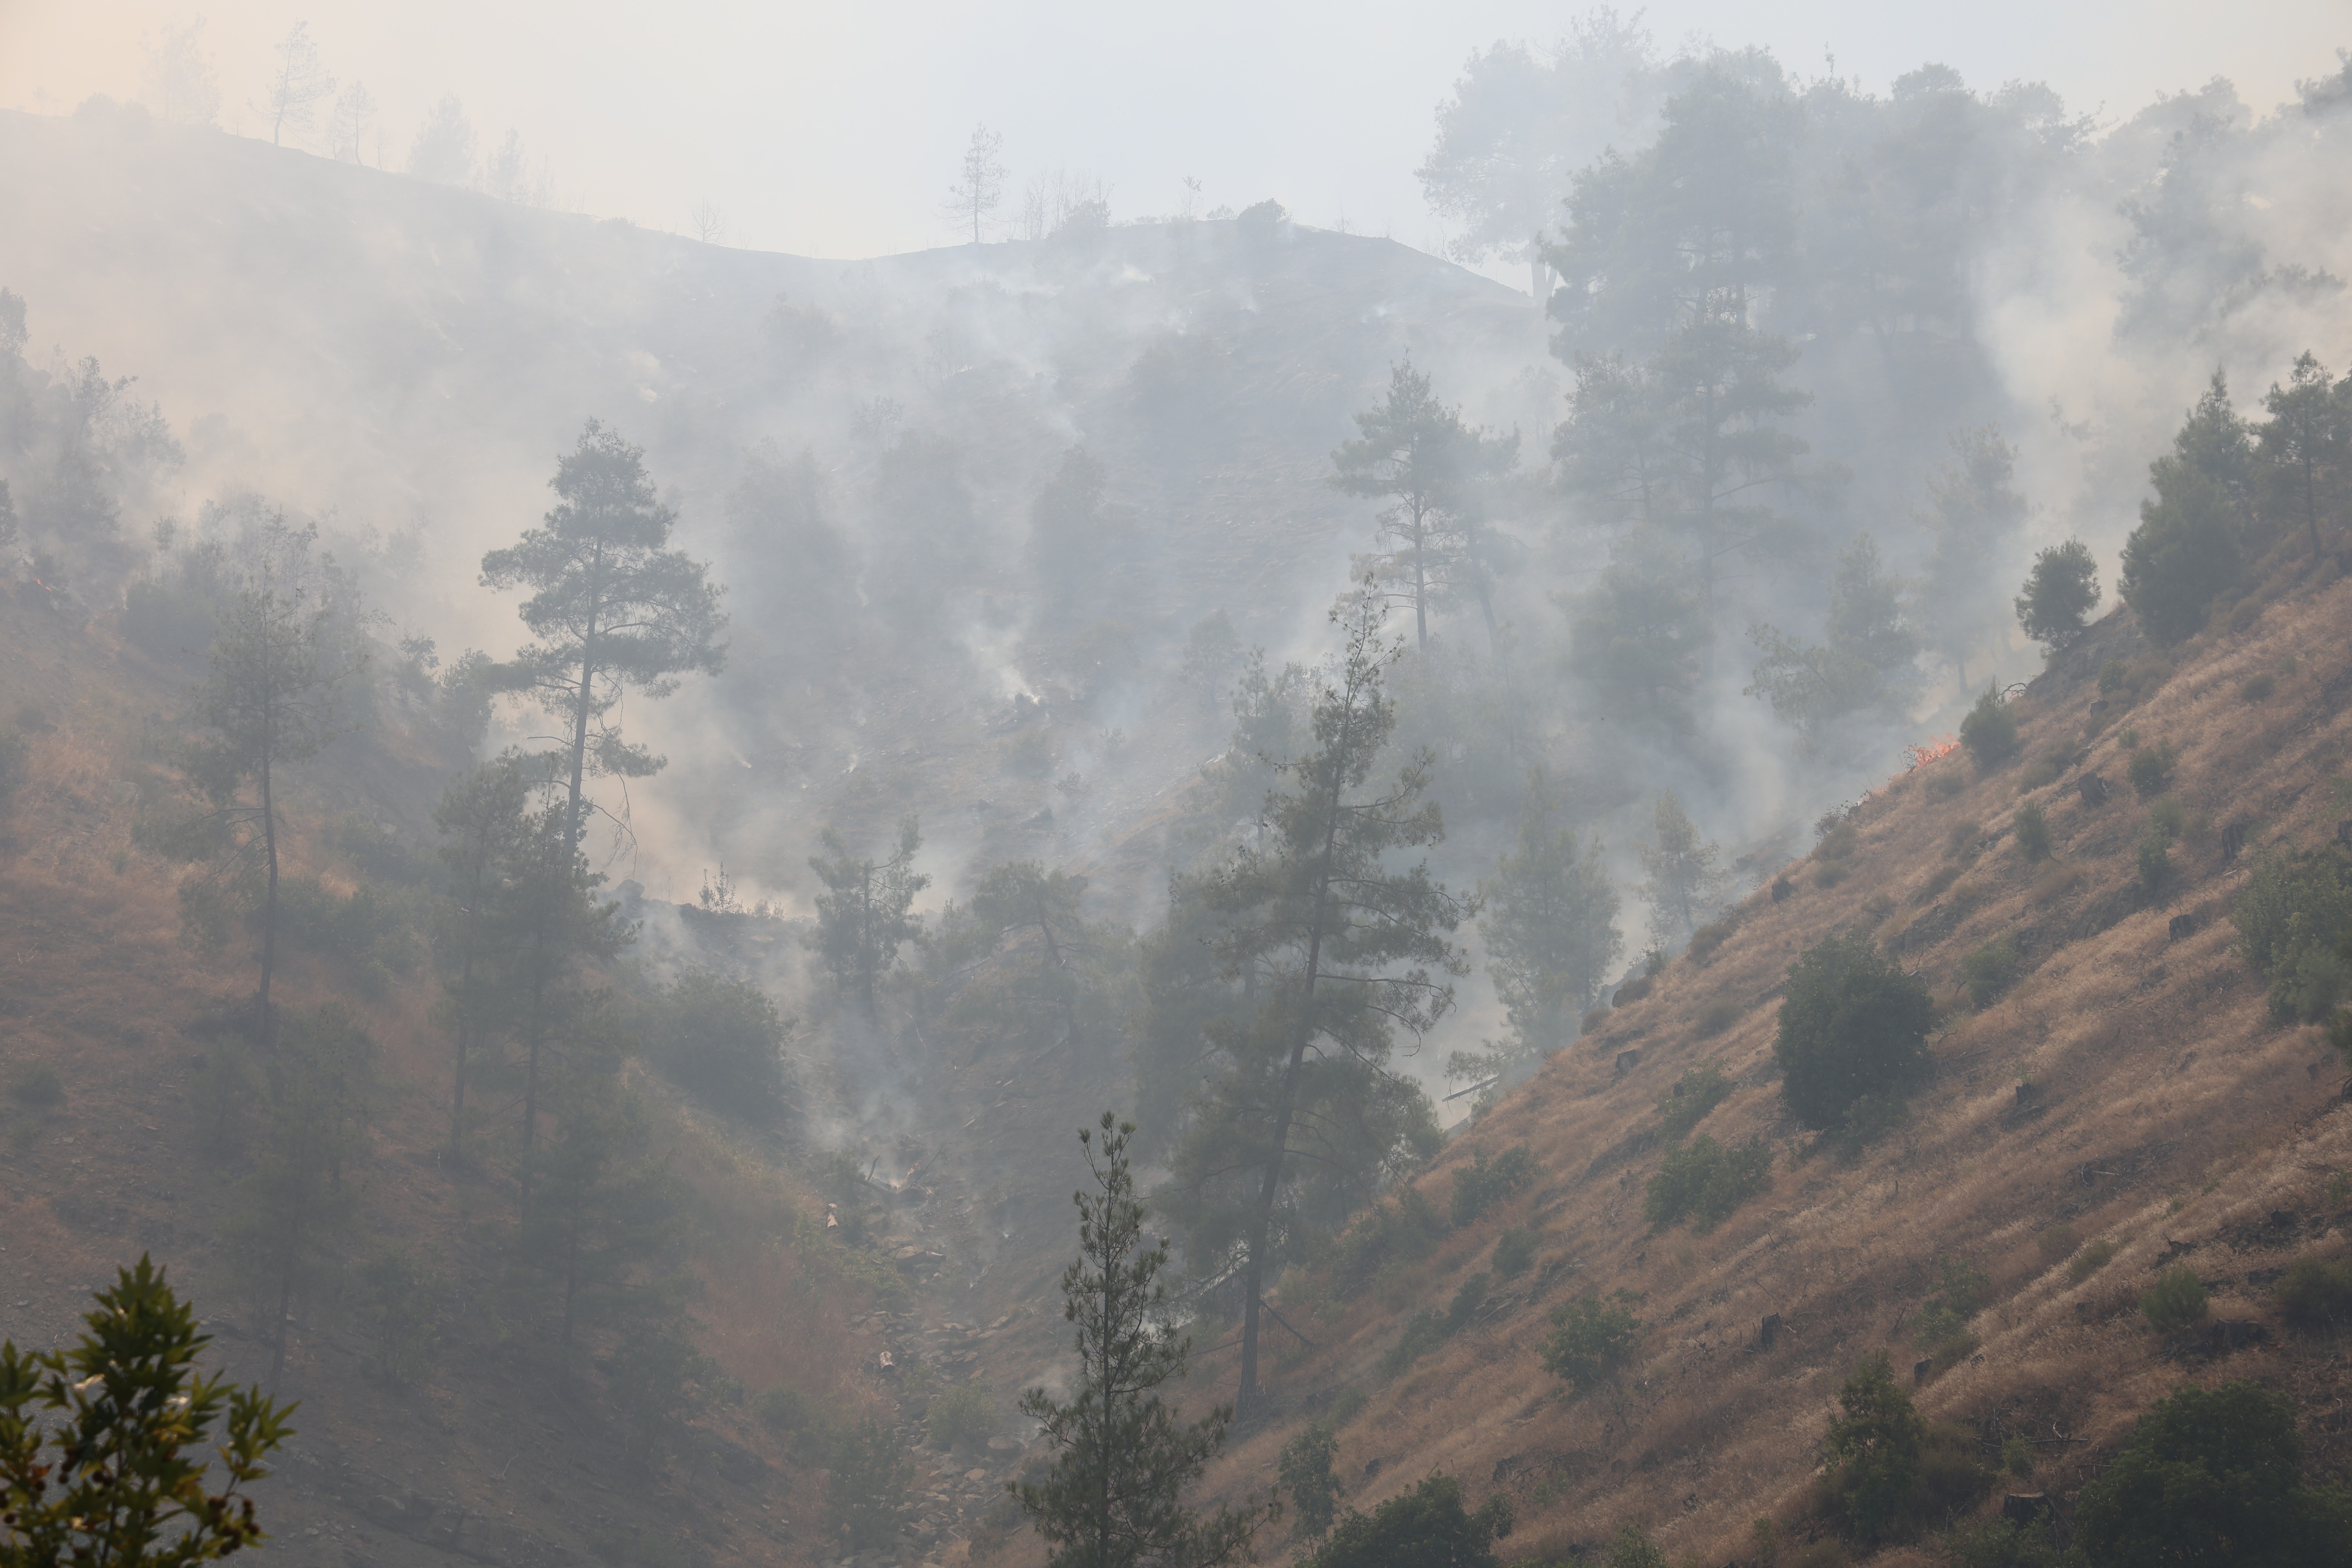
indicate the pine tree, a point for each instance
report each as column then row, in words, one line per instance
column 1684, row 878
column 866, row 913
column 613, row 609
column 1336, row 946
column 1974, row 509
column 2304, row 449
column 1867, row 664
column 1550, row 927
column 485, row 823
column 1113, row 1495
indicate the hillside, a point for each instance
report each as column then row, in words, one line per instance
column 2130, row 1087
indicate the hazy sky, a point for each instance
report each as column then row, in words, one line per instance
column 835, row 128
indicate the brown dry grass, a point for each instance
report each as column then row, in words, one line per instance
column 2168, row 1112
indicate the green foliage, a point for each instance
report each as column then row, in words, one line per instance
column 1865, row 667
column 2183, row 554
column 866, row 913
column 660, row 1383
column 2177, row 1299
column 1405, row 1227
column 1551, row 928
column 2016, row 1457
column 1990, row 729
column 372, row 929
column 2150, row 769
column 1112, row 1493
column 1889, row 1470
column 2292, row 917
column 1305, row 1470
column 1990, row 969
column 1700, row 1090
column 2315, row 1291
column 600, row 1209
column 1424, row 1528
column 1425, row 1331
column 2001, row 1544
column 1514, row 1249
column 35, row 1084
column 1852, row 1024
column 106, row 1449
column 1591, row 1339
column 720, row 1040
column 2059, row 596
column 1705, row 1182
column 1959, row 1295
column 2212, row 1477
column 1482, row 1184
column 962, row 1418
column 867, row 1476
column 1686, row 879
column 1637, row 639
column 2032, row 827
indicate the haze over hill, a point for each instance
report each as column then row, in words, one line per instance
column 1402, row 746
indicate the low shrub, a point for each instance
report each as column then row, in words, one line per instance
column 1485, row 1184
column 1425, row 1331
column 2113, row 677
column 1990, row 969
column 1959, row 1295
column 1515, row 1249
column 1717, row 1017
column 1890, row 1472
column 2177, row 1299
column 1698, row 1091
column 35, row 1084
column 1839, row 842
column 1963, row 839
column 1706, row 1183
column 1706, row 940
column 2056, row 1242
column 2056, row 881
column 1591, row 1338
column 1989, row 730
column 2043, row 770
column 2293, row 912
column 2002, row 1544
column 1831, row 873
column 1945, row 784
column 2258, row 688
column 962, row 1418
column 1933, row 889
column 2151, row 769
column 720, row 1040
column 1852, row 1024
column 1304, row 1470
column 865, row 1492
column 2316, row 1292
column 2152, row 859
column 2031, row 826
column 1405, row 1228
column 2094, row 1254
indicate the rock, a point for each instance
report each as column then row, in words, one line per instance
column 2180, row 926
column 2093, row 789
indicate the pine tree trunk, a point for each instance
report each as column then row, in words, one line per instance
column 269, row 904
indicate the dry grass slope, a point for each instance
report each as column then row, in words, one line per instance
column 2129, row 1086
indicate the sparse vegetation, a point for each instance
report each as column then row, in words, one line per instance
column 1484, row 1184
column 1591, row 1339
column 1698, row 1091
column 1514, row 1249
column 2291, row 916
column 2031, row 827
column 2176, row 1300
column 1990, row 970
column 2316, row 1292
column 1705, row 1182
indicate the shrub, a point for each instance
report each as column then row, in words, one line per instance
column 1840, row 841
column 1933, row 889
column 1990, row 969
column 403, row 1293
column 2211, row 1477
column 2032, row 827
column 1406, row 1229
column 1989, row 730
column 1305, row 1468
column 16, row 757
column 1959, row 1295
column 2292, row 913
column 1706, row 940
column 1717, row 1017
column 1962, row 841
column 660, row 1383
column 962, row 1418
column 1944, row 784
column 1706, row 1183
column 2059, row 594
column 1874, row 1449
column 1700, row 1090
column 2056, row 1242
column 2177, row 1299
column 2151, row 769
column 1482, row 1186
column 2016, row 1457
column 722, row 1042
column 2094, row 1256
column 1514, row 1250
column 35, row 1083
column 2153, row 859
column 1852, row 1024
column 866, row 1491
column 2002, row 1544
column 2042, row 771
column 2258, row 688
column 2315, row 1292
column 1427, row 1525
column 2113, row 677
column 1591, row 1339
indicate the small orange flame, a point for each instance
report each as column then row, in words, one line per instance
column 1929, row 751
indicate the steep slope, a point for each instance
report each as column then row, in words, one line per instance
column 2130, row 1087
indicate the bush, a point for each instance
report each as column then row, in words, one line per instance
column 1482, row 1186
column 2152, row 859
column 1933, row 889
column 1989, row 730
column 1717, row 1017
column 2032, row 827
column 2212, row 1477
column 658, row 1381
column 2059, row 594
column 1874, row 1450
column 2177, row 1299
column 2181, row 556
column 1990, row 970
column 1959, row 1295
column 35, row 1083
column 1706, row 1183
column 722, row 1042
column 1514, row 1250
column 1852, row 1024
column 962, row 1418
column 2094, row 1256
column 1706, row 940
column 1305, row 1470
column 2316, row 1292
column 1424, row 1528
column 2042, row 771
column 1406, row 1229
column 2291, row 915
column 1700, row 1090
column 2002, row 1544
column 2258, row 688
column 1591, row 1339
column 2151, row 769
column 403, row 1293
column 866, row 1493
